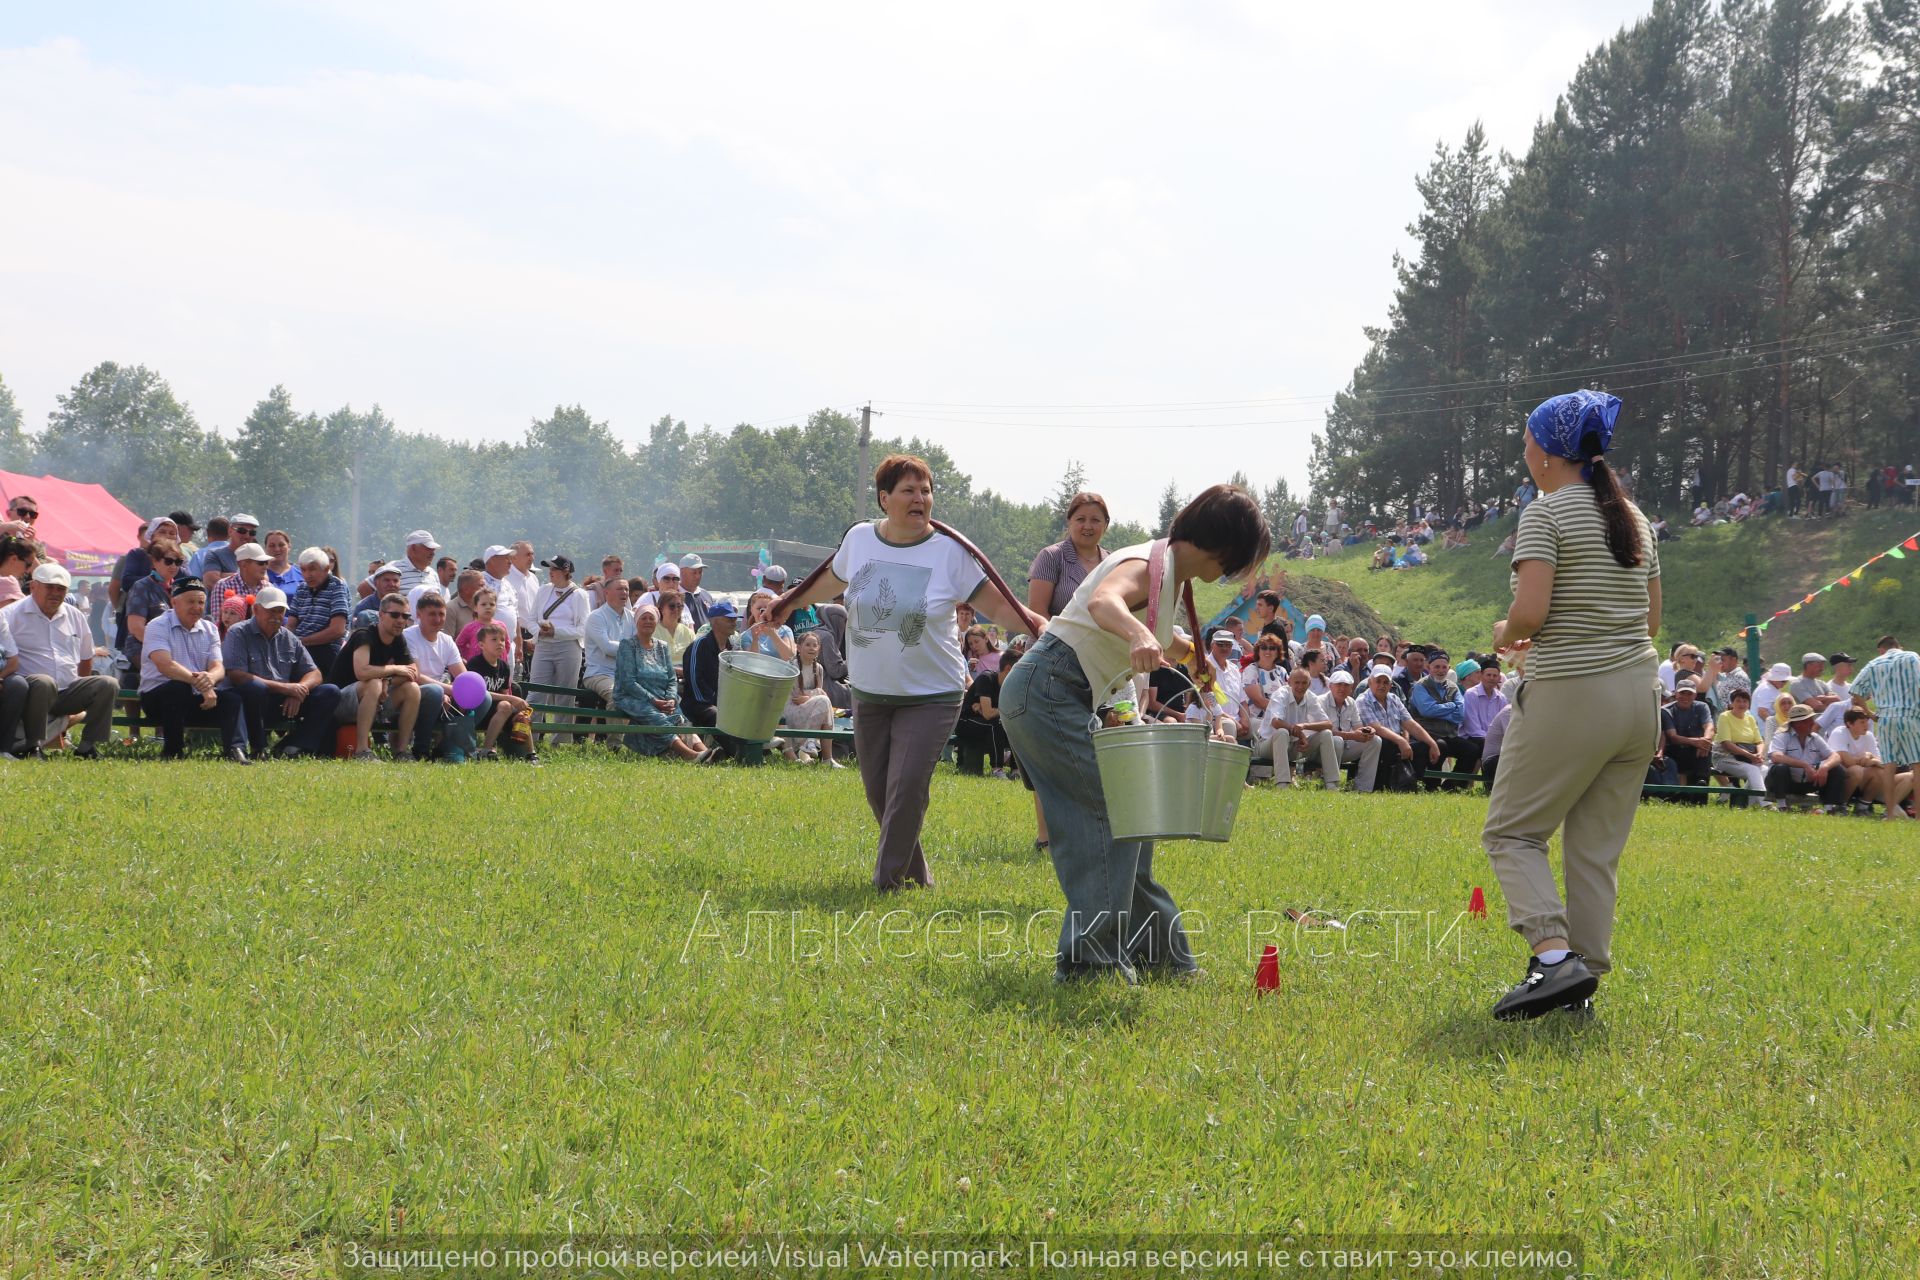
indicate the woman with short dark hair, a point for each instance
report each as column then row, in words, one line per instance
column 903, row 578
column 1118, row 920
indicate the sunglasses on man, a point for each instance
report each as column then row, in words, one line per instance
column 28, row 514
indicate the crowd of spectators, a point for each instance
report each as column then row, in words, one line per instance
column 281, row 652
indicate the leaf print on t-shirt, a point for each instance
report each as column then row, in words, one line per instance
column 915, row 625
column 874, row 601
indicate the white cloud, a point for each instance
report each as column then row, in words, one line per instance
column 740, row 212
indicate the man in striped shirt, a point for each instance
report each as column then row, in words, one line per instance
column 1892, row 683
column 1382, row 708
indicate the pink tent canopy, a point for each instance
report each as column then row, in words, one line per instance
column 84, row 527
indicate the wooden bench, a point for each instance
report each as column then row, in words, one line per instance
column 588, row 720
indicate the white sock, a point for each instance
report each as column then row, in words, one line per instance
column 1553, row 957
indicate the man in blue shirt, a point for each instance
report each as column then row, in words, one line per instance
column 181, row 674
column 275, row 677
column 700, row 681
column 1441, row 711
column 320, row 608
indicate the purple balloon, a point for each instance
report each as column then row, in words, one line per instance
column 469, row 690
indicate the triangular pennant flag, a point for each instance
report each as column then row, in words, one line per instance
column 1844, row 582
column 1913, row 543
column 1795, row 609
column 1897, row 553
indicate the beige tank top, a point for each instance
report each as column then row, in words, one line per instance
column 1104, row 656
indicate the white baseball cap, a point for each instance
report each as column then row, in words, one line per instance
column 244, row 518
column 1342, row 676
column 395, row 567
column 1779, row 671
column 667, row 570
column 1382, row 670
column 495, row 550
column 1805, row 658
column 421, row 538
column 53, row 575
column 269, row 598
column 251, row 551
column 315, row 555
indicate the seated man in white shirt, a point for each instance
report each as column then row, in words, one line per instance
column 1859, row 754
column 438, row 659
column 607, row 626
column 55, row 648
column 1297, row 728
column 1357, row 742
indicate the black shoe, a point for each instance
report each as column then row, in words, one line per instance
column 86, row 753
column 237, row 755
column 1547, row 987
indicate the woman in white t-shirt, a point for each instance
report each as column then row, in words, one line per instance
column 902, row 580
column 1118, row 919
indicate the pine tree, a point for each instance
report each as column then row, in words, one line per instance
column 1170, row 504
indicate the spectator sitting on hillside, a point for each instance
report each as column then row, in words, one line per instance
column 416, row 563
column 1737, row 746
column 1859, row 754
column 182, row 675
column 281, row 571
column 227, row 602
column 1226, row 676
column 1441, row 710
column 647, row 690
column 503, row 705
column 673, row 626
column 319, row 609
column 1260, row 683
column 274, row 677
column 1412, row 670
column 809, row 707
column 607, row 626
column 379, row 683
column 700, row 679
column 1810, row 690
column 223, row 561
column 53, row 645
column 1357, row 743
column 1804, row 764
column 1687, row 736
column 1661, row 531
column 1313, row 661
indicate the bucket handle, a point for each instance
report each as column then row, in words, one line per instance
column 1032, row 621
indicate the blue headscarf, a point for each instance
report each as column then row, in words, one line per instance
column 1559, row 424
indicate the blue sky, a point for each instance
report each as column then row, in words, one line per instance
column 469, row 213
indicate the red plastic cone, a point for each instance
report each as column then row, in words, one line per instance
column 1267, row 977
column 1477, row 904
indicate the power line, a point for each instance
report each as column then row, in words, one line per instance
column 1766, row 366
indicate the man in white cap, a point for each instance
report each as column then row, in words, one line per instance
column 526, row 585
column 218, row 561
column 418, row 570
column 1382, row 708
column 692, row 569
column 1358, row 743
column 386, row 582
column 55, row 648
column 1768, row 691
column 245, row 581
column 275, row 678
column 506, row 608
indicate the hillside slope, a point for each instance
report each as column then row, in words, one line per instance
column 1712, row 578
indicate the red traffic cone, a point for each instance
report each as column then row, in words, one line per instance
column 1267, row 977
column 1477, row 904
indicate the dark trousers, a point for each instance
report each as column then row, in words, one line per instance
column 1783, row 780
column 1694, row 769
column 898, row 747
column 1489, row 767
column 311, row 732
column 176, row 704
column 703, row 715
column 1390, row 759
column 1793, row 500
column 1464, row 753
column 978, row 747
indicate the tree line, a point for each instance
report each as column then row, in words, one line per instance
column 1719, row 222
column 568, row 485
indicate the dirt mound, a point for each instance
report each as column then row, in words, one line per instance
column 1345, row 612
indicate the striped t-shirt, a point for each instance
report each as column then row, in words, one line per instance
column 1597, row 619
column 1891, row 682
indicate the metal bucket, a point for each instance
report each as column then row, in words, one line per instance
column 1154, row 777
column 754, row 689
column 1226, row 782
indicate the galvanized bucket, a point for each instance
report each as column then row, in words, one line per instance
column 1226, row 781
column 754, row 689
column 1154, row 777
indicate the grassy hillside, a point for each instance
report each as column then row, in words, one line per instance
column 1712, row 578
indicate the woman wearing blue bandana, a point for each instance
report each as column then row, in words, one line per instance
column 1586, row 714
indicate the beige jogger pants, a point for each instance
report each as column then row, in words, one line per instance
column 1576, row 754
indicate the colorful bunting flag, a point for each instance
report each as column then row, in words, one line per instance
column 1897, row 552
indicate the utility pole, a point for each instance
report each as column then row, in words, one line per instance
column 352, row 566
column 865, row 476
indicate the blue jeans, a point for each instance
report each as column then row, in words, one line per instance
column 1118, row 917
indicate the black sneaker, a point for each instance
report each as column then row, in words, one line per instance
column 1548, row 986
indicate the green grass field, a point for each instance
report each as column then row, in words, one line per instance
column 424, row 1000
